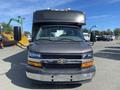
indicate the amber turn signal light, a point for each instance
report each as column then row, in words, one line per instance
column 35, row 64
column 87, row 64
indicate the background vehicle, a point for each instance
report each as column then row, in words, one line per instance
column 58, row 52
column 86, row 36
column 101, row 38
column 29, row 37
column 105, row 38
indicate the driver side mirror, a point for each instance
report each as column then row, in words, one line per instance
column 93, row 36
column 17, row 33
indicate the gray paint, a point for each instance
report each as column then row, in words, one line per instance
column 60, row 47
column 69, row 16
column 48, row 17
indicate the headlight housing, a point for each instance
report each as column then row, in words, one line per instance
column 88, row 55
column 34, row 55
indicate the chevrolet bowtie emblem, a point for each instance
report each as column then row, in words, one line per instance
column 61, row 61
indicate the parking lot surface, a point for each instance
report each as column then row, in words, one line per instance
column 106, row 55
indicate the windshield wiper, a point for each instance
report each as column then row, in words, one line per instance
column 68, row 39
column 62, row 39
column 44, row 39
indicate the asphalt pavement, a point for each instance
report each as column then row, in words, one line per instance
column 106, row 55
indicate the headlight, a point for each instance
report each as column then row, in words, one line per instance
column 34, row 55
column 88, row 55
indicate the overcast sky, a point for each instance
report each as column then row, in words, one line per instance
column 103, row 13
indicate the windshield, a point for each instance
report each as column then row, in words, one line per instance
column 57, row 33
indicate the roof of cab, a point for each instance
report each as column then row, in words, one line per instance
column 59, row 16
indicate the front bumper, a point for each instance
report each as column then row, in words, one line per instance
column 61, row 76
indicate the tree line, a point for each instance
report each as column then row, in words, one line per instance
column 115, row 32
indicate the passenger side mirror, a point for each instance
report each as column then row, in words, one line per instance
column 93, row 36
column 17, row 33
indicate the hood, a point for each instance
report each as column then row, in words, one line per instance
column 60, row 47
